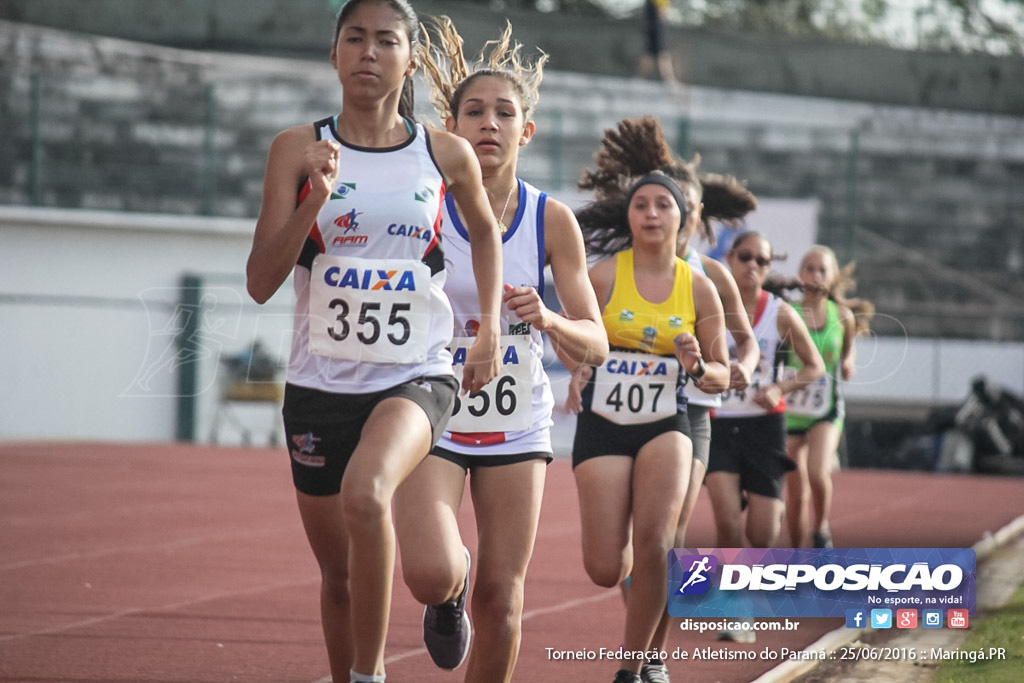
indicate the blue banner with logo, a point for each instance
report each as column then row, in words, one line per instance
column 805, row 582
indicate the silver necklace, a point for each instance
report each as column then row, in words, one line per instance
column 502, row 227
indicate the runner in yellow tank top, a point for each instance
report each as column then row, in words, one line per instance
column 633, row 322
column 632, row 452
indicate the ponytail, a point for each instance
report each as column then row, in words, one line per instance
column 407, row 101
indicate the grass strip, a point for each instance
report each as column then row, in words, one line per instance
column 993, row 632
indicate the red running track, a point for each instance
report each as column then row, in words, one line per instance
column 188, row 563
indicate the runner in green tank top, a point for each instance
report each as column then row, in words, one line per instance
column 814, row 415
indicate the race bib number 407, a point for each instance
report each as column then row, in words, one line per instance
column 635, row 388
column 369, row 310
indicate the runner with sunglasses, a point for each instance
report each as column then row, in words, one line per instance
column 748, row 431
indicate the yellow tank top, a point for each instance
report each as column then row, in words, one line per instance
column 632, row 322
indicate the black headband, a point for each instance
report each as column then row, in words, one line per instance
column 659, row 178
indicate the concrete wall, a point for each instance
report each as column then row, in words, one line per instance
column 91, row 304
column 813, row 68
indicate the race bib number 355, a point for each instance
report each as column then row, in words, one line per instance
column 635, row 388
column 369, row 310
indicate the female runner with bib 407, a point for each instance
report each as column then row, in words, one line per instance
column 632, row 452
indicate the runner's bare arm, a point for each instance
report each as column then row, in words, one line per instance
column 747, row 352
column 577, row 335
column 461, row 171
column 284, row 222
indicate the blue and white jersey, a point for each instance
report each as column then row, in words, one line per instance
column 514, row 413
column 371, row 311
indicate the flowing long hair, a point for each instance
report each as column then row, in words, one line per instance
column 863, row 310
column 634, row 148
column 449, row 74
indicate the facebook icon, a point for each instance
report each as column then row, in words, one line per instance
column 856, row 618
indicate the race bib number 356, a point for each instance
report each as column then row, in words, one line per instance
column 504, row 404
column 369, row 310
column 635, row 388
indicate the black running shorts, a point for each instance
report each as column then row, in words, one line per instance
column 596, row 436
column 322, row 428
column 471, row 462
column 754, row 448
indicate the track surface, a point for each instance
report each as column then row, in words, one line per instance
column 187, row 563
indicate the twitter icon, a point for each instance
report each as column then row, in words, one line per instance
column 881, row 618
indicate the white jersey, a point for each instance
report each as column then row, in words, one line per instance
column 521, row 395
column 371, row 312
column 766, row 331
column 693, row 394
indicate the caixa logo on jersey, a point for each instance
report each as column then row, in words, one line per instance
column 415, row 232
column 370, row 279
column 803, row 582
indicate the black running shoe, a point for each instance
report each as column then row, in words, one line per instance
column 446, row 628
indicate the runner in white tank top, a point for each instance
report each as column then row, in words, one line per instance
column 501, row 435
column 351, row 208
column 516, row 416
column 373, row 254
column 748, row 442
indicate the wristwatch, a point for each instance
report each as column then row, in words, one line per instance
column 701, row 369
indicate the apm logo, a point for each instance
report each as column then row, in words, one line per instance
column 349, row 223
column 696, row 580
column 636, row 368
column 351, row 241
column 370, row 279
column 305, row 443
column 304, row 451
column 348, row 220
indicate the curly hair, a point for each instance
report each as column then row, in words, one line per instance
column 449, row 74
column 630, row 151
